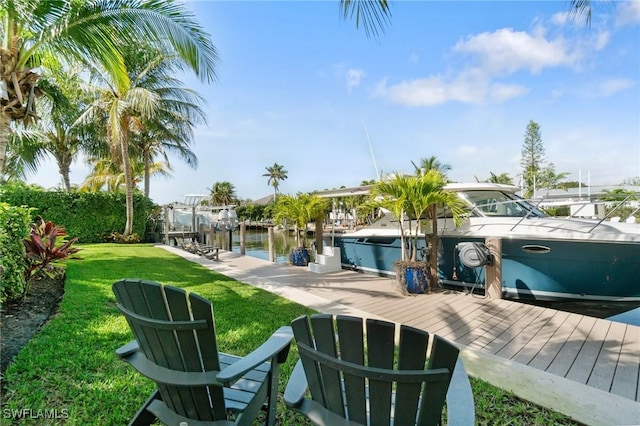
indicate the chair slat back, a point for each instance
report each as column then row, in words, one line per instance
column 175, row 330
column 355, row 370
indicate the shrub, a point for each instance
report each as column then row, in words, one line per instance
column 90, row 216
column 14, row 227
column 119, row 238
column 43, row 251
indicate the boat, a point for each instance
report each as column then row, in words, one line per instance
column 543, row 257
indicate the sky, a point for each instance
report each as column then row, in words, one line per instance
column 458, row 80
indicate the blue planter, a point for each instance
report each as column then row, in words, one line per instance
column 417, row 280
column 300, row 256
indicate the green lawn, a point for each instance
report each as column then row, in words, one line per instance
column 69, row 368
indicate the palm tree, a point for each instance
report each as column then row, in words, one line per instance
column 431, row 163
column 410, row 199
column 275, row 173
column 56, row 133
column 127, row 109
column 170, row 129
column 91, row 32
column 502, row 178
column 300, row 210
column 223, row 193
column 109, row 176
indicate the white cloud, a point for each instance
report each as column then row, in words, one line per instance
column 613, row 86
column 627, row 13
column 354, row 77
column 470, row 86
column 507, row 51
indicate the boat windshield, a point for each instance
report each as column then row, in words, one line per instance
column 498, row 203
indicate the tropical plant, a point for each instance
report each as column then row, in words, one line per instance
column 43, row 252
column 223, row 193
column 502, row 178
column 412, row 199
column 127, row 108
column 431, row 163
column 107, row 175
column 275, row 173
column 300, row 210
column 91, row 32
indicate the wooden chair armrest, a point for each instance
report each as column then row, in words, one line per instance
column 276, row 346
column 296, row 386
column 127, row 349
column 170, row 377
column 460, row 404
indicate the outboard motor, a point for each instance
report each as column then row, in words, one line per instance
column 474, row 255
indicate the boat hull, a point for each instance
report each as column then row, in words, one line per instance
column 531, row 268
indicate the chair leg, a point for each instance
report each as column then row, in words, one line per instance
column 145, row 417
column 272, row 396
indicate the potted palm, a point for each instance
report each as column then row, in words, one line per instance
column 299, row 210
column 412, row 199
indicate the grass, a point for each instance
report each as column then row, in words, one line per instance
column 69, row 370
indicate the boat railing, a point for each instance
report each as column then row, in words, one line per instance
column 608, row 215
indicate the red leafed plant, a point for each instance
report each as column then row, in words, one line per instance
column 42, row 253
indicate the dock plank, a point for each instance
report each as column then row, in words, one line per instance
column 541, row 337
column 526, row 334
column 602, row 374
column 572, row 346
column 586, row 359
column 625, row 379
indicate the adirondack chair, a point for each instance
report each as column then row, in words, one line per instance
column 357, row 376
column 175, row 346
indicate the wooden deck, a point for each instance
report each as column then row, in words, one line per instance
column 587, row 351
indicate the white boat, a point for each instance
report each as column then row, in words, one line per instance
column 543, row 258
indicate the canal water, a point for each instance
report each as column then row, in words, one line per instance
column 257, row 244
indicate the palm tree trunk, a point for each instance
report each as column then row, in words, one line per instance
column 64, row 168
column 146, row 157
column 128, row 179
column 5, row 130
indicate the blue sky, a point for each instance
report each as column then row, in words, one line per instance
column 459, row 80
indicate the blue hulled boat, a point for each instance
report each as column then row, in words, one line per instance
column 543, row 258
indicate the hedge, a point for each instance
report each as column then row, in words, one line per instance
column 14, row 227
column 93, row 217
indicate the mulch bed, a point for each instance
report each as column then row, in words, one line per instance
column 20, row 320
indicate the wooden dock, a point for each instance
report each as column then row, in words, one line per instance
column 580, row 359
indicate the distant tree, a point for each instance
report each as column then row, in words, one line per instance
column 503, row 178
column 368, row 182
column 548, row 178
column 533, row 157
column 634, row 181
column 108, row 175
column 275, row 173
column 223, row 193
column 570, row 184
column 431, row 163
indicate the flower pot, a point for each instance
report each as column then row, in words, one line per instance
column 417, row 280
column 412, row 277
column 300, row 256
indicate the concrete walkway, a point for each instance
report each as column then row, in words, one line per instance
column 347, row 292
